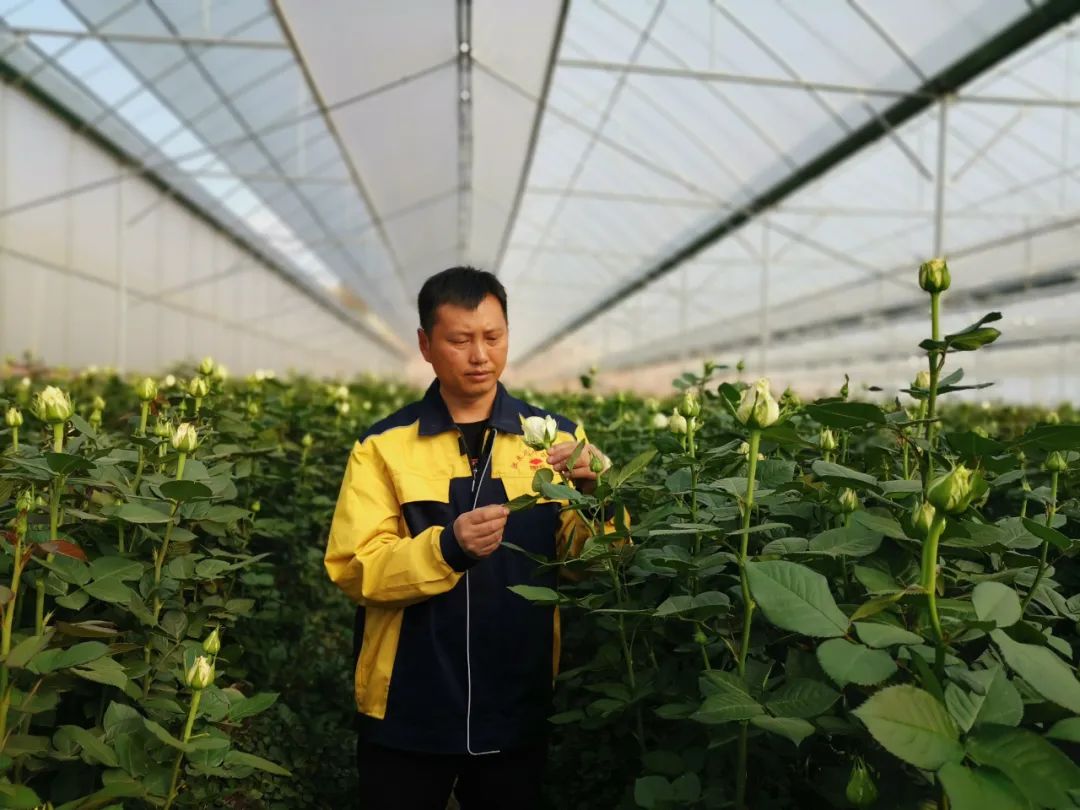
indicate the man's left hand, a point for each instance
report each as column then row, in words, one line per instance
column 581, row 475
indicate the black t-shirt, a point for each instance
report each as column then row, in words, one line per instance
column 473, row 437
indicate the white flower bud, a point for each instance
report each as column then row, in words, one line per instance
column 758, row 409
column 934, row 276
column 146, row 389
column 198, row 387
column 53, row 406
column 13, row 418
column 206, row 367
column 212, row 643
column 185, row 438
column 660, row 421
column 200, row 674
column 677, row 424
column 539, row 432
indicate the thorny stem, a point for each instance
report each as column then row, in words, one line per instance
column 929, row 584
column 9, row 616
column 936, row 364
column 1051, row 510
column 195, row 698
column 744, row 540
column 748, row 608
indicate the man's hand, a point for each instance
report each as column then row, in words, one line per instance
column 480, row 531
column 582, row 475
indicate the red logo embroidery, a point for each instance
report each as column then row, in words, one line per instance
column 535, row 462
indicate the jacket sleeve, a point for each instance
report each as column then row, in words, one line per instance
column 574, row 529
column 366, row 554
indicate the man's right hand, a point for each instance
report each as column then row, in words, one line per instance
column 480, row 531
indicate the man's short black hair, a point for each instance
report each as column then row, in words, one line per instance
column 461, row 286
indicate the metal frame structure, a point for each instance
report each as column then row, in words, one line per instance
column 638, row 142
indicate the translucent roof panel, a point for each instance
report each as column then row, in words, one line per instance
column 712, row 176
column 696, row 112
column 211, row 99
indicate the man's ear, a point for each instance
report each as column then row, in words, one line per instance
column 424, row 344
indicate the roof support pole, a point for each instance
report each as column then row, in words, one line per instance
column 763, row 315
column 939, row 176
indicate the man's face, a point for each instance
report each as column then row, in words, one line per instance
column 467, row 347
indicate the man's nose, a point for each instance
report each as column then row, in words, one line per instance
column 478, row 355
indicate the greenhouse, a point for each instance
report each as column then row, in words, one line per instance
column 771, row 501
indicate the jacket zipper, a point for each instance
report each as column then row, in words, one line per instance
column 482, row 465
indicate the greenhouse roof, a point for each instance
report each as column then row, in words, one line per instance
column 676, row 178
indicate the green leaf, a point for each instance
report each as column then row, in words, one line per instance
column 93, row 747
column 1051, row 437
column 117, row 568
column 632, row 468
column 66, row 464
column 794, row 728
column 686, row 789
column 702, row 606
column 238, row 759
column 211, row 568
column 975, row 339
column 1067, row 729
column 73, row 656
column 979, row 789
column 110, row 590
column 26, row 649
column 843, row 476
column 536, row 594
column 879, row 635
column 1042, row 772
column 1047, row 673
column 996, row 603
column 185, row 490
column 1050, row 535
column 846, row 662
column 848, row 541
column 103, row 670
column 911, row 725
column 880, row 524
column 803, row 698
column 846, row 415
column 164, row 736
column 19, row 797
column 727, row 699
column 522, row 502
column 794, row 597
column 141, row 513
column 249, row 707
column 667, row 763
column 993, row 700
column 652, row 791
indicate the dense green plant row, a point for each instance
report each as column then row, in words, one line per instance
column 828, row 604
column 823, row 604
column 161, row 571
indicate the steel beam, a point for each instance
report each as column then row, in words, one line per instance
column 1028, row 28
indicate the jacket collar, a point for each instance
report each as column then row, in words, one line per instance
column 435, row 416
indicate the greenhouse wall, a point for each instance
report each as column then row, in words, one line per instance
column 124, row 275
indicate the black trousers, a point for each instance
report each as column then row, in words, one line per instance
column 410, row 780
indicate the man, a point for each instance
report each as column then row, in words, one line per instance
column 454, row 672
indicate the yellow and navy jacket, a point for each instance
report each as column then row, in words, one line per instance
column 448, row 660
